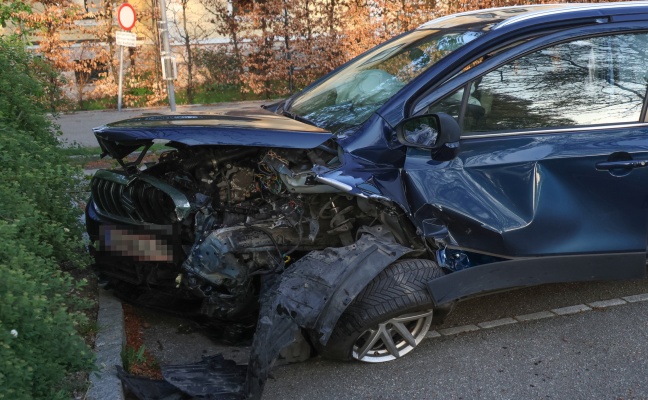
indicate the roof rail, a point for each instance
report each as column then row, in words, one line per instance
column 569, row 8
column 436, row 21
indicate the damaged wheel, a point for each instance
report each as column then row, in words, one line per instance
column 388, row 318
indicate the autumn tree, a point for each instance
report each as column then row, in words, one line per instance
column 48, row 23
column 84, row 69
column 189, row 31
column 10, row 12
column 318, row 27
column 228, row 20
column 104, row 34
column 259, row 63
column 291, row 43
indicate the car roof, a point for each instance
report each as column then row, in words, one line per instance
column 500, row 17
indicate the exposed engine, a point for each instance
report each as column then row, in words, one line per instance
column 252, row 212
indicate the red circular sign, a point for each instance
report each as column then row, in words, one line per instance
column 126, row 16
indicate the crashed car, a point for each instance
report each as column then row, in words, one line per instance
column 481, row 152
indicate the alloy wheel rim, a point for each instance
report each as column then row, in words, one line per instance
column 392, row 339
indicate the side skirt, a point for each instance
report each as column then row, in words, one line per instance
column 525, row 272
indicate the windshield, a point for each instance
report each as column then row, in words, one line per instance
column 349, row 97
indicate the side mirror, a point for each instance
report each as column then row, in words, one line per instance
column 439, row 133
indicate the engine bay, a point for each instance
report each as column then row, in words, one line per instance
column 253, row 212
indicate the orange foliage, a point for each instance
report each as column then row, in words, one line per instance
column 280, row 45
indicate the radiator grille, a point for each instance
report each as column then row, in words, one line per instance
column 137, row 200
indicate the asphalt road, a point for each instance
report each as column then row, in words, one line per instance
column 594, row 355
column 599, row 354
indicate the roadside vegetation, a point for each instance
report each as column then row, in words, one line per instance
column 41, row 307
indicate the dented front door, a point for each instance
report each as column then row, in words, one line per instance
column 553, row 157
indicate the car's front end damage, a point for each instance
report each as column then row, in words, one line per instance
column 241, row 208
column 344, row 218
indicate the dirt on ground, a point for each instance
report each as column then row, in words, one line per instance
column 137, row 359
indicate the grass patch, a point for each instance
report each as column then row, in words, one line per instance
column 204, row 95
column 89, row 157
column 216, row 94
column 96, row 151
column 81, row 151
column 104, row 103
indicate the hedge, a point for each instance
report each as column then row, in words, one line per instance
column 39, row 232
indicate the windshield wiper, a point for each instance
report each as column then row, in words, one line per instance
column 298, row 118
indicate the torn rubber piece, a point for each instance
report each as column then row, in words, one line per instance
column 321, row 285
column 312, row 294
column 274, row 333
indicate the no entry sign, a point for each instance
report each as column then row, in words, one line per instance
column 126, row 16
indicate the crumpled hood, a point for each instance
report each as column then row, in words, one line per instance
column 226, row 127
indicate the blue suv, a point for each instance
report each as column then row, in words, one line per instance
column 483, row 151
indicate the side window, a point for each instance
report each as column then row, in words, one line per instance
column 450, row 105
column 598, row 80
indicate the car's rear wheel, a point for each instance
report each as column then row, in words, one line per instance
column 388, row 318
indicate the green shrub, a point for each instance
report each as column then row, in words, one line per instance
column 131, row 356
column 39, row 232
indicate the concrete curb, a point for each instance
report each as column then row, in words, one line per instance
column 111, row 338
column 556, row 312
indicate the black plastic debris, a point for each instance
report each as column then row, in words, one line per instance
column 148, row 389
column 213, row 378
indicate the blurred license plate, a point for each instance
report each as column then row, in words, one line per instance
column 145, row 243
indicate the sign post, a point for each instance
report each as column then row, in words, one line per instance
column 169, row 71
column 126, row 18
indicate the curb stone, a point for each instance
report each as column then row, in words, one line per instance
column 496, row 323
column 563, row 311
column 578, row 308
column 111, row 338
column 534, row 316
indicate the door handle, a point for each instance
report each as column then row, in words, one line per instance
column 625, row 164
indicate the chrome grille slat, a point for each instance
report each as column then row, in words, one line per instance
column 136, row 205
column 113, row 199
column 142, row 200
column 102, row 194
column 145, row 206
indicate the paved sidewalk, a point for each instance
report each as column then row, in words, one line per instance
column 77, row 127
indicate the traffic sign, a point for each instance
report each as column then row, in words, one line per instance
column 127, row 39
column 126, row 16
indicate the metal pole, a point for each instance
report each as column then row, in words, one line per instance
column 167, row 52
column 121, row 75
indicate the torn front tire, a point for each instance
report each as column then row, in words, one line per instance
column 389, row 318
